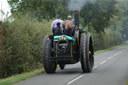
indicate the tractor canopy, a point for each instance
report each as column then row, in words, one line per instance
column 64, row 37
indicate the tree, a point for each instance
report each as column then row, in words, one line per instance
column 98, row 14
column 41, row 9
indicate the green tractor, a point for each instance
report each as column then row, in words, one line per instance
column 62, row 49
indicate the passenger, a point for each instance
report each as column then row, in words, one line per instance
column 57, row 26
column 69, row 26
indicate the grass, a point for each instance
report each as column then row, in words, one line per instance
column 127, row 83
column 20, row 77
column 108, row 49
column 24, row 76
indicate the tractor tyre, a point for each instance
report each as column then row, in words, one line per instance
column 49, row 66
column 86, row 53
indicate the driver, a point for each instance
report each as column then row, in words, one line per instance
column 57, row 26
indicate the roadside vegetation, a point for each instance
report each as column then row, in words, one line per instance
column 20, row 77
column 127, row 83
column 22, row 46
column 21, row 35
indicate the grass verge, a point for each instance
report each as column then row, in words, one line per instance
column 108, row 49
column 20, row 77
column 24, row 76
column 105, row 50
column 127, row 83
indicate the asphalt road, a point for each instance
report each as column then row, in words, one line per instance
column 111, row 68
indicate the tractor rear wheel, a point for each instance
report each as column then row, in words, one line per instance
column 86, row 53
column 49, row 66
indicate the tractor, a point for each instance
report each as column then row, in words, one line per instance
column 62, row 49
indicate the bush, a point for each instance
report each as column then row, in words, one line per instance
column 23, row 40
column 106, row 39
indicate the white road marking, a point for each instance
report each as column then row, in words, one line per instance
column 74, row 79
column 125, row 50
column 103, row 62
column 110, row 58
column 95, row 67
column 118, row 54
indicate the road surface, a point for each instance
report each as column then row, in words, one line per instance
column 111, row 68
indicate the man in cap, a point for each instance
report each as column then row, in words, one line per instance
column 57, row 26
column 69, row 26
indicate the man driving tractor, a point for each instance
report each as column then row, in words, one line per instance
column 60, row 27
column 57, row 26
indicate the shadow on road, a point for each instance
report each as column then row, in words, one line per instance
column 68, row 71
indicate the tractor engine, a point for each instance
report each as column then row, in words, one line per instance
column 63, row 48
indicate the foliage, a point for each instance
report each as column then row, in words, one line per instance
column 23, row 44
column 106, row 39
column 95, row 15
column 98, row 14
column 41, row 9
column 123, row 6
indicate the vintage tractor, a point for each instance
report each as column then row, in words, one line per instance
column 62, row 49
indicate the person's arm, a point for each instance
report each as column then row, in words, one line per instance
column 62, row 24
column 52, row 24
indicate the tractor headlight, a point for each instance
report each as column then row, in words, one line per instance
column 63, row 38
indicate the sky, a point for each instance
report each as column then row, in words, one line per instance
column 4, row 6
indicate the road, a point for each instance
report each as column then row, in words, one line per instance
column 111, row 68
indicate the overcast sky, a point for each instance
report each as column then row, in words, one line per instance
column 4, row 6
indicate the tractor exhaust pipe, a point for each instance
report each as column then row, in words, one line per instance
column 76, row 18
